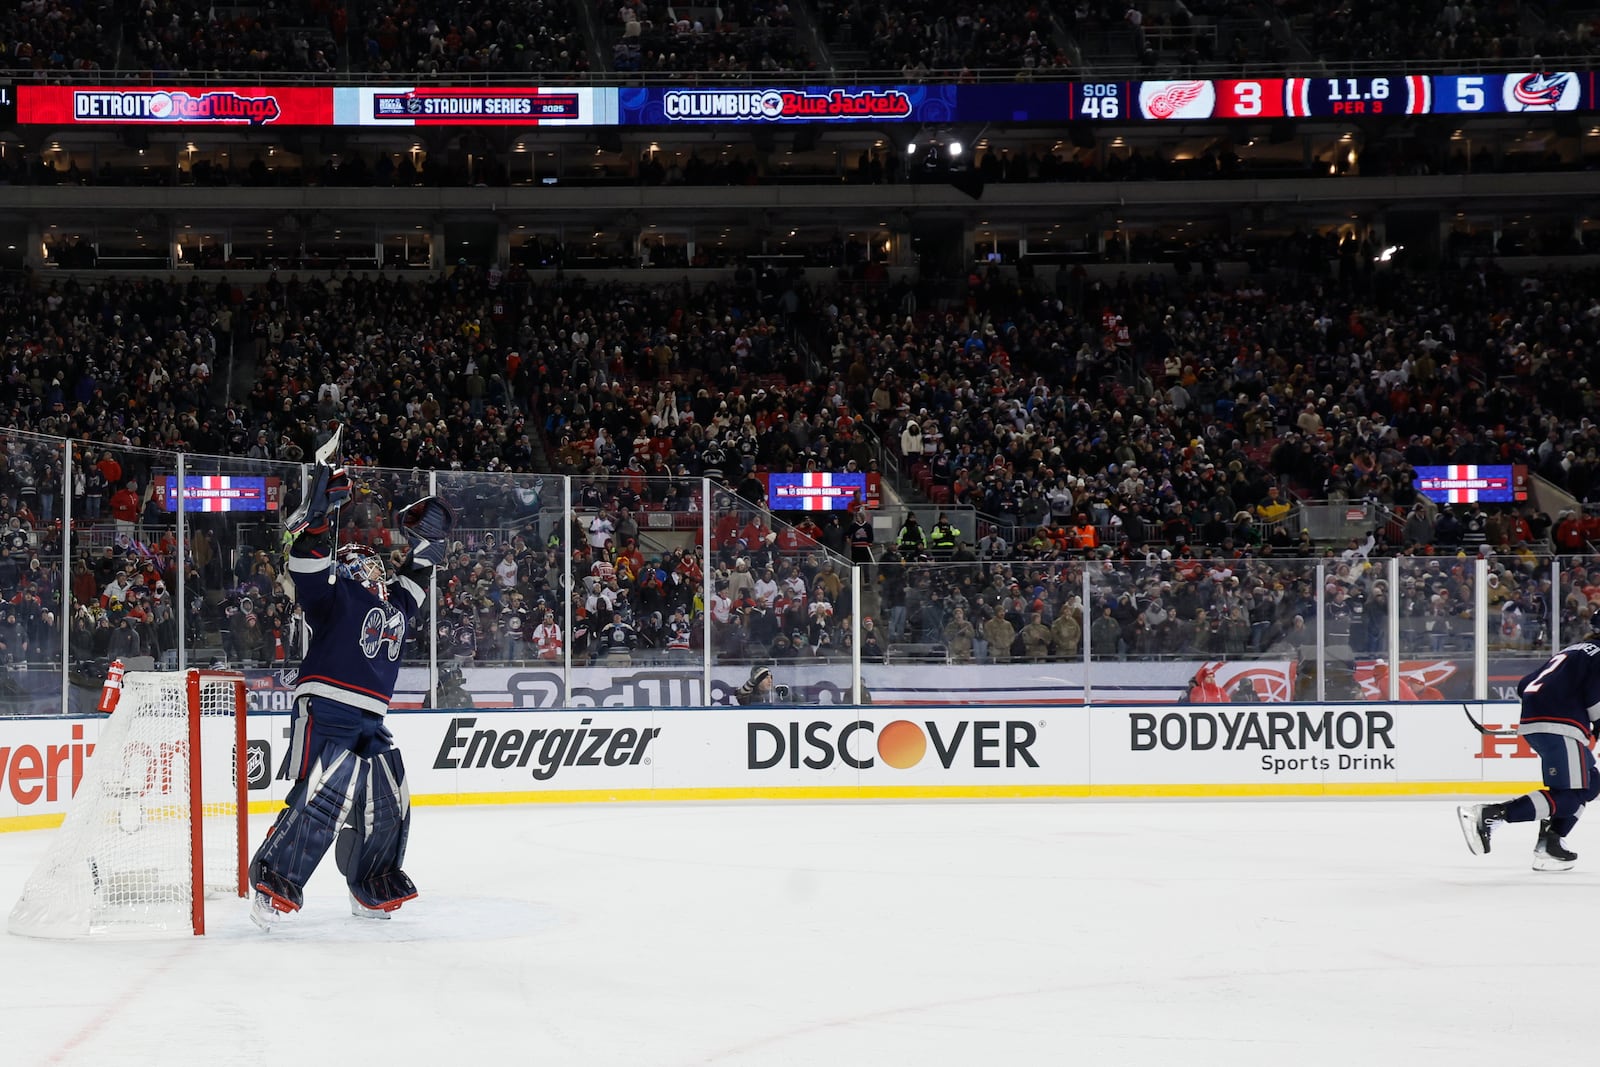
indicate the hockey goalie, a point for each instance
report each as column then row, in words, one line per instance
column 349, row 776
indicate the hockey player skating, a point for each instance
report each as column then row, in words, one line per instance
column 1560, row 707
column 348, row 772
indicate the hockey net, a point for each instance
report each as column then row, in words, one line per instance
column 159, row 821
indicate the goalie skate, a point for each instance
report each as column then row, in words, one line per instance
column 361, row 911
column 267, row 911
column 271, row 896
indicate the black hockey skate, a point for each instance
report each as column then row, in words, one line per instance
column 1477, row 821
column 1550, row 854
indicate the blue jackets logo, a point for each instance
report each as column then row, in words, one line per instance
column 783, row 105
column 1542, row 92
column 382, row 628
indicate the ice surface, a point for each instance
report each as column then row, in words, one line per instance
column 975, row 934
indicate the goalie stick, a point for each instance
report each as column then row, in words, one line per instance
column 1486, row 731
column 328, row 456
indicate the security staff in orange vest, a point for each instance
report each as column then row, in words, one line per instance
column 1088, row 537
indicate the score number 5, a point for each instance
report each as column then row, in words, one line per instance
column 1469, row 94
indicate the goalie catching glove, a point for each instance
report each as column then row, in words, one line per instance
column 330, row 490
column 427, row 525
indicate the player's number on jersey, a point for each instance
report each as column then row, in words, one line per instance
column 1538, row 680
column 1469, row 94
column 1247, row 98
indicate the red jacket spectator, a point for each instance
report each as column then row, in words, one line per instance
column 1205, row 689
column 125, row 503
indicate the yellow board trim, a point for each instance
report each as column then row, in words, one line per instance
column 981, row 792
column 911, row 792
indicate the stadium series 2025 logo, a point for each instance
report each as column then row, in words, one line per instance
column 780, row 105
column 141, row 105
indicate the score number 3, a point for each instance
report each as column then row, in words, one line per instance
column 1247, row 98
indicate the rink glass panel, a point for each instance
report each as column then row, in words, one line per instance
column 791, row 602
column 36, row 573
column 506, row 571
column 636, row 552
column 233, row 558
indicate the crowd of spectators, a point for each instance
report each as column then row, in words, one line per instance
column 917, row 39
column 169, row 37
column 1186, row 35
column 509, row 36
column 731, row 38
column 923, row 40
column 1163, row 430
column 55, row 35
column 1369, row 30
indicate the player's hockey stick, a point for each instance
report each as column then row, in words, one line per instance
column 328, row 455
column 1482, row 729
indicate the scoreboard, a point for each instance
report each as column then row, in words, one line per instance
column 1333, row 97
column 728, row 105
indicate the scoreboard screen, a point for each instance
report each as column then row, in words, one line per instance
column 822, row 103
column 1278, row 98
column 1100, row 100
column 1467, row 483
column 815, row 491
column 1408, row 94
column 204, row 492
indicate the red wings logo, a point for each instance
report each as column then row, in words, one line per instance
column 1169, row 101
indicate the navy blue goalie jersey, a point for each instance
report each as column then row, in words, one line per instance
column 356, row 638
column 1563, row 696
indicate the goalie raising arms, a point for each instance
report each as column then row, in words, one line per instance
column 348, row 772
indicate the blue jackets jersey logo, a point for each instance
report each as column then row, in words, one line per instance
column 382, row 628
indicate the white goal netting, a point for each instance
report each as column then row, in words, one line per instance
column 123, row 861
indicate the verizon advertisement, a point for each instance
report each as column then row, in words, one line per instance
column 42, row 762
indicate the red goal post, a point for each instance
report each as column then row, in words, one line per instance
column 160, row 819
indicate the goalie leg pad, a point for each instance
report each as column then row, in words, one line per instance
column 318, row 805
column 380, row 825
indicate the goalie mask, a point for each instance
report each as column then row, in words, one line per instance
column 362, row 564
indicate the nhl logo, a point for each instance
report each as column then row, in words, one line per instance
column 258, row 764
